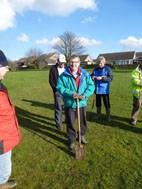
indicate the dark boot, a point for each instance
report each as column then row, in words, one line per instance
column 108, row 114
column 72, row 146
column 133, row 122
column 98, row 112
column 83, row 140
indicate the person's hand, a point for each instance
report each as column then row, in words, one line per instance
column 104, row 78
column 94, row 77
column 99, row 78
column 81, row 97
column 75, row 95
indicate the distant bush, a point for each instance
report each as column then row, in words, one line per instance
column 13, row 66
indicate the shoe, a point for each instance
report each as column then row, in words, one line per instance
column 59, row 128
column 133, row 123
column 72, row 146
column 108, row 119
column 83, row 140
column 9, row 184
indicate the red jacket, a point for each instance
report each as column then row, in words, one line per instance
column 9, row 131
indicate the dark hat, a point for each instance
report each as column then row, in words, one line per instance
column 3, row 60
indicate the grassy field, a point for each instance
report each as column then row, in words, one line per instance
column 42, row 160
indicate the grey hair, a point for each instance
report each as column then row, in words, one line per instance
column 75, row 56
column 100, row 58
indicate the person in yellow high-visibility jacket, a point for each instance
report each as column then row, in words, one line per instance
column 136, row 91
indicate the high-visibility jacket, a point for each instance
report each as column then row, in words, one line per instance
column 9, row 131
column 136, row 82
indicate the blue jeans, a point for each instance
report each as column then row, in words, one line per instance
column 5, row 167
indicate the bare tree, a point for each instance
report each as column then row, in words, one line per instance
column 32, row 55
column 69, row 44
column 35, row 52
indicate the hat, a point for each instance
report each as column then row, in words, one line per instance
column 3, row 60
column 62, row 58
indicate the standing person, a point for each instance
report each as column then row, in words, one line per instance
column 54, row 73
column 74, row 83
column 9, row 132
column 102, row 76
column 136, row 91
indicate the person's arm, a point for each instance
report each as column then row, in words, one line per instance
column 109, row 75
column 62, row 87
column 52, row 79
column 136, row 79
column 93, row 75
column 90, row 87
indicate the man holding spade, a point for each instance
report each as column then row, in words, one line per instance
column 75, row 83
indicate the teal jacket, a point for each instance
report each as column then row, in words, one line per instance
column 66, row 86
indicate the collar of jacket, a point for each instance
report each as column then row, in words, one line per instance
column 138, row 70
column 98, row 68
column 82, row 72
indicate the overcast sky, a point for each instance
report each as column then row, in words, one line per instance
column 102, row 25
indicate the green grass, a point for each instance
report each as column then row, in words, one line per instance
column 42, row 160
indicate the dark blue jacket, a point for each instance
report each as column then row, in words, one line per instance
column 102, row 86
column 3, row 63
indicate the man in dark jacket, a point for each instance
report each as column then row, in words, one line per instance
column 102, row 76
column 9, row 132
column 54, row 73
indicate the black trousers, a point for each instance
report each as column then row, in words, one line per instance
column 71, row 115
column 105, row 98
column 58, row 99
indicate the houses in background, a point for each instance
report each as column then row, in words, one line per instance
column 120, row 58
column 86, row 60
column 46, row 60
column 38, row 62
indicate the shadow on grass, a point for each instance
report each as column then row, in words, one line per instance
column 42, row 128
column 116, row 121
column 40, row 104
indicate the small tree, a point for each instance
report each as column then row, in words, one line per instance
column 13, row 65
column 35, row 52
column 69, row 44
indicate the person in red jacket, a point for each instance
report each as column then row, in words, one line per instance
column 9, row 131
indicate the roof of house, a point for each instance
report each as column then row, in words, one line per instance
column 119, row 55
column 26, row 59
column 48, row 58
column 83, row 57
column 138, row 54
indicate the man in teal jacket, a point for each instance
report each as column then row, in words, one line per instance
column 137, row 92
column 75, row 83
